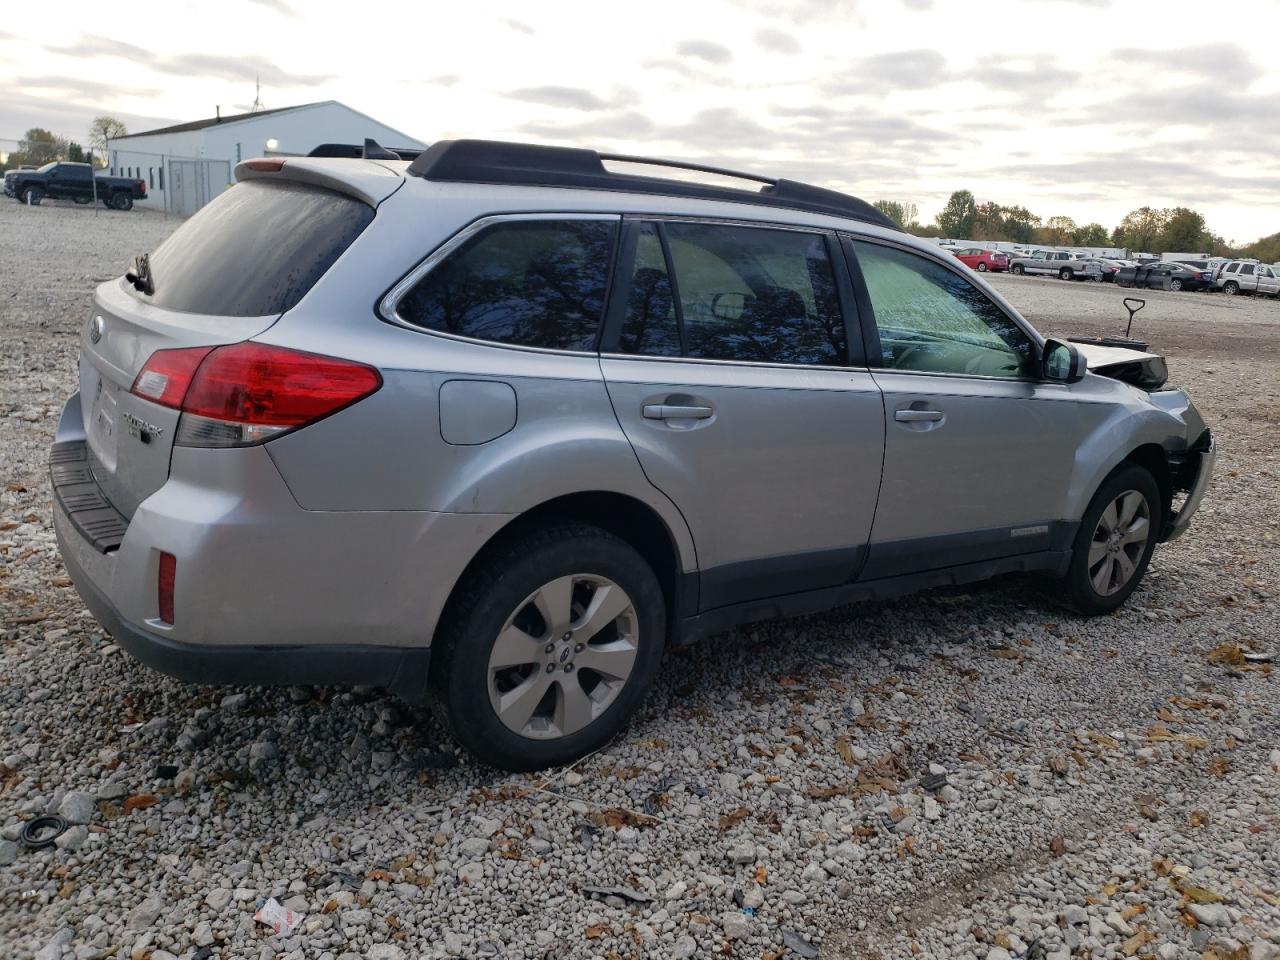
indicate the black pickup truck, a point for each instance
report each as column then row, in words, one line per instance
column 72, row 181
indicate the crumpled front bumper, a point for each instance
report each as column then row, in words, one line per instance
column 1204, row 473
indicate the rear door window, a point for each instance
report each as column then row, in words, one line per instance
column 531, row 283
column 748, row 294
column 255, row 250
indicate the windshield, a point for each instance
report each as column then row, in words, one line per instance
column 47, row 167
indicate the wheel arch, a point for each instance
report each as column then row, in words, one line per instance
column 1155, row 460
column 627, row 518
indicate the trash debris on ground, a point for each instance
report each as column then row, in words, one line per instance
column 278, row 917
column 798, row 944
column 623, row 893
column 42, row 831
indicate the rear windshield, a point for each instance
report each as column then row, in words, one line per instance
column 255, row 250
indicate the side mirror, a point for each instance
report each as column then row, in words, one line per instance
column 1062, row 362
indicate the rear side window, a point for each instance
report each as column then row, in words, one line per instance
column 255, row 250
column 741, row 293
column 530, row 283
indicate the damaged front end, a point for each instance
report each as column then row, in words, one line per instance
column 1146, row 371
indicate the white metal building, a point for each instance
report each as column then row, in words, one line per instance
column 187, row 165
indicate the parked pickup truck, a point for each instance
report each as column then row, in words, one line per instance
column 72, row 181
column 1064, row 265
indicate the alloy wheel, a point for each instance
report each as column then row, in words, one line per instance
column 563, row 656
column 1119, row 541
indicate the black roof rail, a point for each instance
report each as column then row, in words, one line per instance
column 357, row 151
column 499, row 162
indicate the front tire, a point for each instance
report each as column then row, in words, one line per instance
column 548, row 648
column 33, row 196
column 1018, row 269
column 1115, row 541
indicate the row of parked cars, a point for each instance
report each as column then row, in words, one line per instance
column 1230, row 276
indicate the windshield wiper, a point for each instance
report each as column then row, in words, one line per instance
column 139, row 274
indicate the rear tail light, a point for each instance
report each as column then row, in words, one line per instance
column 168, row 573
column 246, row 393
column 142, row 185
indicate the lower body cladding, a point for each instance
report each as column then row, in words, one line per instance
column 343, row 597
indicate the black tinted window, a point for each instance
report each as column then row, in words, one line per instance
column 535, row 283
column 759, row 295
column 649, row 325
column 255, row 250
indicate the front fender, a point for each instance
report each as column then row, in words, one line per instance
column 1166, row 419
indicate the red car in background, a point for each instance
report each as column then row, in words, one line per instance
column 981, row 260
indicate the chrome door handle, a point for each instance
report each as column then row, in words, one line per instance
column 667, row 411
column 915, row 416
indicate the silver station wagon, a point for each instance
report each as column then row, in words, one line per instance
column 495, row 426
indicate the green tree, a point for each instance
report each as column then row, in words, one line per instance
column 39, row 146
column 1140, row 230
column 1183, row 231
column 1092, row 235
column 1267, row 249
column 75, row 153
column 903, row 213
column 1057, row 232
column 957, row 217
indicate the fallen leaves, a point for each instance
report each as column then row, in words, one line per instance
column 1159, row 733
column 733, row 818
column 139, row 801
column 1195, row 894
column 1199, row 818
column 1058, row 764
column 845, row 749
column 1136, row 942
column 596, row 931
column 1227, row 654
column 619, row 817
column 1057, row 846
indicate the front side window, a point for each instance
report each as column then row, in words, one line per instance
column 753, row 295
column 1247, row 270
column 932, row 320
column 532, row 283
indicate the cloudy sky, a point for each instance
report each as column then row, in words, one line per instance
column 1082, row 108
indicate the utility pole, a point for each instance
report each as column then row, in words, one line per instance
column 257, row 94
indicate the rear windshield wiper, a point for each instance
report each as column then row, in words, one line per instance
column 139, row 274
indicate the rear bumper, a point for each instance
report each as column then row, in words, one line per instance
column 265, row 592
column 403, row 670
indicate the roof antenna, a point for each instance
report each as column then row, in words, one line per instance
column 257, row 94
column 372, row 151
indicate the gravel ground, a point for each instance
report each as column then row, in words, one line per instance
column 969, row 774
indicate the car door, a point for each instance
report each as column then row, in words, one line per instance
column 979, row 452
column 1268, row 282
column 1248, row 277
column 730, row 370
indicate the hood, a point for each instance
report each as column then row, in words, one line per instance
column 1147, row 371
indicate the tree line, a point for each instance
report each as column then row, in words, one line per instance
column 39, row 146
column 1147, row 229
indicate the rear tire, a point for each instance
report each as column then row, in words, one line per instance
column 120, row 201
column 1066, row 273
column 495, row 642
column 33, row 196
column 1175, row 284
column 1115, row 541
column 1231, row 288
column 81, row 201
column 982, row 267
